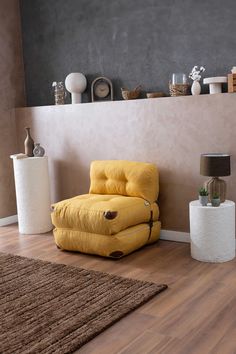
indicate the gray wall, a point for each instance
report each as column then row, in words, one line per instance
column 130, row 41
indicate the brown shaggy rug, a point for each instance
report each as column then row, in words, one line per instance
column 54, row 308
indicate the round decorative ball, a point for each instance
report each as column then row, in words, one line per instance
column 76, row 82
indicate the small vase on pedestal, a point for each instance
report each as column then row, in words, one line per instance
column 29, row 143
column 196, row 88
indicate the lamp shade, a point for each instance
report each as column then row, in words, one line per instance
column 215, row 165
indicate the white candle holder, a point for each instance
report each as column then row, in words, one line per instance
column 215, row 83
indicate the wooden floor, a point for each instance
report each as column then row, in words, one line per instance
column 197, row 314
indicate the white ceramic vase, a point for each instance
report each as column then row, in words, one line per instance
column 196, row 88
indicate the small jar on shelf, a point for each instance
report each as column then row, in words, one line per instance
column 179, row 85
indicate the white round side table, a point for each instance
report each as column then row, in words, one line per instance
column 32, row 194
column 212, row 231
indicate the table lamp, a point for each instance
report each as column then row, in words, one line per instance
column 215, row 165
column 76, row 83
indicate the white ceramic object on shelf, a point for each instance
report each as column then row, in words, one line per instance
column 76, row 84
column 196, row 88
column 215, row 83
column 212, row 231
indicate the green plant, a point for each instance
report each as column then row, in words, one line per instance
column 216, row 196
column 203, row 192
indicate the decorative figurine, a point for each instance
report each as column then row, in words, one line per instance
column 59, row 92
column 38, row 150
column 76, row 84
column 29, row 143
column 196, row 77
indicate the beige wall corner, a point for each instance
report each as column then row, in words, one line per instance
column 12, row 95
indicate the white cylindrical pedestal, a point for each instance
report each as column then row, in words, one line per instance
column 212, row 231
column 215, row 83
column 32, row 194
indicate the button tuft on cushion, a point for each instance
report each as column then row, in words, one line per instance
column 116, row 254
column 110, row 215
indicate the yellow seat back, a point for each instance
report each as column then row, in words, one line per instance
column 128, row 178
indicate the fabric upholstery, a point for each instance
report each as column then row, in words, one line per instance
column 118, row 216
column 114, row 246
column 128, row 178
column 102, row 214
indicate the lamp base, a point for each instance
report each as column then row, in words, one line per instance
column 215, row 185
column 75, row 97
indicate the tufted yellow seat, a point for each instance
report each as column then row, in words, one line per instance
column 114, row 218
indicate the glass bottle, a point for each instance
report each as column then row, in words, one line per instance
column 59, row 92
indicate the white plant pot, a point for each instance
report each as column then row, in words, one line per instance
column 196, row 88
column 203, row 199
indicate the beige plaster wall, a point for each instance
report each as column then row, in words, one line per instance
column 171, row 132
column 11, row 95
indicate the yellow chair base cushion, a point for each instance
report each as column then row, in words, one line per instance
column 115, row 246
column 102, row 214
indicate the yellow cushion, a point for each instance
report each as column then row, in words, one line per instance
column 114, row 246
column 128, row 178
column 102, row 214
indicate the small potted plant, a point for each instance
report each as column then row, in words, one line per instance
column 203, row 196
column 215, row 201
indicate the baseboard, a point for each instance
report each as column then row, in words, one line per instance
column 8, row 220
column 175, row 236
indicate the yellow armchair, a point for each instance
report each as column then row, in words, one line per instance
column 118, row 216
